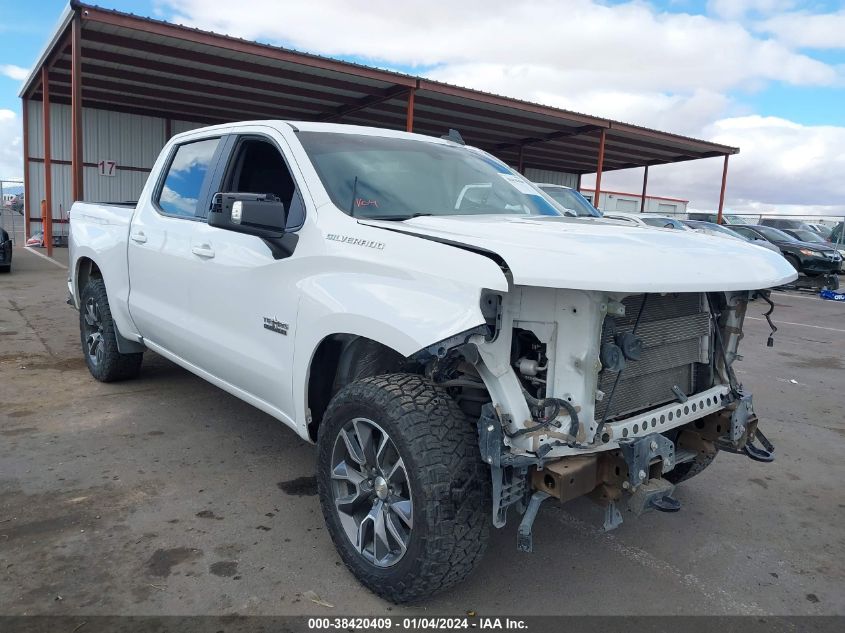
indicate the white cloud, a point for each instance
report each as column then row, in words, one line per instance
column 627, row 46
column 806, row 30
column 783, row 167
column 737, row 9
column 11, row 145
column 627, row 61
column 14, row 72
column 174, row 202
column 682, row 113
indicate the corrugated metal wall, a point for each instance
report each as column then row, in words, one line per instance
column 549, row 177
column 133, row 141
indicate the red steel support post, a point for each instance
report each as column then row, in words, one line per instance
column 645, row 188
column 722, row 193
column 409, row 120
column 47, row 224
column 599, row 166
column 76, row 107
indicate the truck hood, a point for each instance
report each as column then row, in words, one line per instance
column 597, row 254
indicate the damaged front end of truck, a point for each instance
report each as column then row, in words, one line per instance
column 615, row 396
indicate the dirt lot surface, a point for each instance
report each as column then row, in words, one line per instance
column 166, row 495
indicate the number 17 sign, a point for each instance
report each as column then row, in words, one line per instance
column 107, row 168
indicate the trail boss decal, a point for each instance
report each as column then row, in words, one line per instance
column 355, row 241
column 275, row 326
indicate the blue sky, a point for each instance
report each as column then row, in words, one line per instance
column 766, row 75
column 27, row 25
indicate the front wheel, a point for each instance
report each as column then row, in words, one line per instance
column 404, row 493
column 99, row 337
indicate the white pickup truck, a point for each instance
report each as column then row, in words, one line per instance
column 451, row 341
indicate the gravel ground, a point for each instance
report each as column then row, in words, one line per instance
column 166, row 495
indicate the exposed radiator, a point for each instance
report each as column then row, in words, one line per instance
column 675, row 330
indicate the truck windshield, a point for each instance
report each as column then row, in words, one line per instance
column 381, row 177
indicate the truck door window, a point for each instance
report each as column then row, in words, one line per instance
column 183, row 183
column 258, row 167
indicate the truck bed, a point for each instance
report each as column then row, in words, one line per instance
column 100, row 232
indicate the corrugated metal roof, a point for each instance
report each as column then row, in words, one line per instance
column 147, row 66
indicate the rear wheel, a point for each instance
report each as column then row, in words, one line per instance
column 6, row 268
column 403, row 490
column 98, row 335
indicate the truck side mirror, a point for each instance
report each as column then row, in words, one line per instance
column 259, row 214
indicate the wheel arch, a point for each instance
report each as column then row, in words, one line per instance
column 86, row 268
column 339, row 359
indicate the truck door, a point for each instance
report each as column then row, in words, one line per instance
column 162, row 267
column 244, row 300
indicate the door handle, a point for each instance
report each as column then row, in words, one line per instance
column 203, row 251
column 138, row 237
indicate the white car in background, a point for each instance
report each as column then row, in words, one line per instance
column 711, row 228
column 573, row 203
column 647, row 219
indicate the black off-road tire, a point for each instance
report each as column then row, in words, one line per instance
column 111, row 365
column 688, row 470
column 450, row 484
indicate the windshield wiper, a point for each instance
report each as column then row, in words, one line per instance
column 396, row 218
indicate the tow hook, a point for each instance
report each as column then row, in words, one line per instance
column 765, row 454
column 665, row 503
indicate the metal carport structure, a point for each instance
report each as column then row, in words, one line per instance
column 104, row 70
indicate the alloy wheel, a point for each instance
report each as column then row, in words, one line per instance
column 94, row 346
column 371, row 492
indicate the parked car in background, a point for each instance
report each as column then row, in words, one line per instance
column 811, row 237
column 648, row 219
column 837, row 235
column 571, row 200
column 712, row 228
column 5, row 251
column 713, row 217
column 806, row 257
column 822, row 229
column 785, row 223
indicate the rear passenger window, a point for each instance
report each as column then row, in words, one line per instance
column 183, row 183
